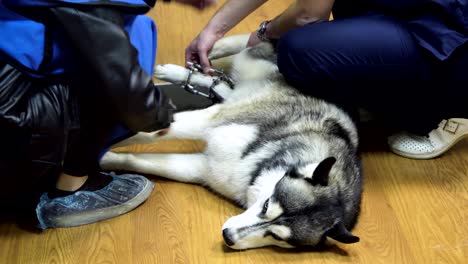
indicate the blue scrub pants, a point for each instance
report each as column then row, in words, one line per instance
column 373, row 62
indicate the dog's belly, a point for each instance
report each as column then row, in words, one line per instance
column 230, row 171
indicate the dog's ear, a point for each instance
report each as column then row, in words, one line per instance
column 321, row 173
column 339, row 233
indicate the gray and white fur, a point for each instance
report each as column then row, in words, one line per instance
column 290, row 160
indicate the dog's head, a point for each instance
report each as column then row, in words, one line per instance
column 302, row 211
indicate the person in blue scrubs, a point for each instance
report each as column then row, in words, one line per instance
column 405, row 61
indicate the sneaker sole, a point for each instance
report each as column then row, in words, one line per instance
column 430, row 155
column 106, row 213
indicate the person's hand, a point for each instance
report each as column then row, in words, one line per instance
column 198, row 49
column 253, row 39
column 200, row 4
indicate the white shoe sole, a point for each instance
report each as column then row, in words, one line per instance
column 429, row 155
column 439, row 152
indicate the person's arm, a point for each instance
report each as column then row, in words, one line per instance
column 229, row 15
column 299, row 13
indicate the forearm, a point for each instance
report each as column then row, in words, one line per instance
column 230, row 14
column 299, row 13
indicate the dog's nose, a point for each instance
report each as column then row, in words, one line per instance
column 228, row 237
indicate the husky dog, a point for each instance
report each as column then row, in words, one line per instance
column 290, row 160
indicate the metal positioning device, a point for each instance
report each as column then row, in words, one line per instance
column 211, row 94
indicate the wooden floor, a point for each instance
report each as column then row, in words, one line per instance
column 412, row 211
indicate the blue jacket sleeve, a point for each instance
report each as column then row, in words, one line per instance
column 99, row 38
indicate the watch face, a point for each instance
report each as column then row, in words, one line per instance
column 261, row 31
column 263, row 26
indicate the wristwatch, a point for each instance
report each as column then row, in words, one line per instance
column 261, row 32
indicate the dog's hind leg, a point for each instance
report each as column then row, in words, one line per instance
column 228, row 46
column 224, row 64
column 186, row 125
column 188, row 168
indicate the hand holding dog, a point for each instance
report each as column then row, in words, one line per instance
column 229, row 15
column 198, row 49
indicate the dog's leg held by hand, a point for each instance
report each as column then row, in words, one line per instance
column 178, row 75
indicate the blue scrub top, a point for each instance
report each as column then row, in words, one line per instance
column 439, row 26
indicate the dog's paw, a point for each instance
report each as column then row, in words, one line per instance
column 112, row 161
column 171, row 73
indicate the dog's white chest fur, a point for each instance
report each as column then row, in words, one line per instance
column 228, row 169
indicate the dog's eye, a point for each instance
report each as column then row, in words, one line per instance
column 265, row 206
column 275, row 236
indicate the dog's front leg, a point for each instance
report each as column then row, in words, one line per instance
column 178, row 75
column 188, row 168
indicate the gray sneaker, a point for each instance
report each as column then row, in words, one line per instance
column 123, row 194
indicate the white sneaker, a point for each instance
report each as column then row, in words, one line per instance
column 448, row 133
